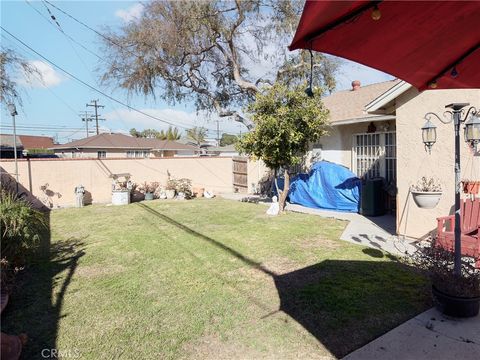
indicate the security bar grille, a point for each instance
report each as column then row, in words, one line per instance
column 374, row 155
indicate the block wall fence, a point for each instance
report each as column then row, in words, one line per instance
column 52, row 181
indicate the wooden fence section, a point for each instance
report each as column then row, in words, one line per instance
column 240, row 174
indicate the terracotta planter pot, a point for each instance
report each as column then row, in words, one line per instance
column 471, row 187
column 426, row 200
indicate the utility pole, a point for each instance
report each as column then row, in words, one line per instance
column 94, row 103
column 87, row 118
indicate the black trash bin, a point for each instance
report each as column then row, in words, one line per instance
column 372, row 197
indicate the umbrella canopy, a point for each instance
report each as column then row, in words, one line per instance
column 429, row 44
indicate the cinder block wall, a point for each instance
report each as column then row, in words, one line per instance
column 63, row 175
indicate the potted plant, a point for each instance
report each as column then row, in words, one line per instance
column 453, row 295
column 471, row 186
column 148, row 189
column 426, row 193
column 121, row 190
column 184, row 188
column 170, row 188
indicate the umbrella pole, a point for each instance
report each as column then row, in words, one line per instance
column 458, row 237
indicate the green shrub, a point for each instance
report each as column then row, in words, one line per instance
column 21, row 227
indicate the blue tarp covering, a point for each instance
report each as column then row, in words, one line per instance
column 327, row 186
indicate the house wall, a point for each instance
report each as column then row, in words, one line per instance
column 337, row 145
column 91, row 153
column 413, row 162
column 113, row 154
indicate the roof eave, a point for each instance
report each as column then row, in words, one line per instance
column 391, row 94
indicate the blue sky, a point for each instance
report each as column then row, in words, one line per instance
column 53, row 108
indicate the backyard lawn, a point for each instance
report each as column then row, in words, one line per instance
column 206, row 279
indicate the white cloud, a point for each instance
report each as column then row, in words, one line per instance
column 48, row 77
column 182, row 119
column 130, row 14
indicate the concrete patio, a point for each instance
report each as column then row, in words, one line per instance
column 429, row 335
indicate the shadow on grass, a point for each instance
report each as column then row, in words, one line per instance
column 343, row 303
column 35, row 305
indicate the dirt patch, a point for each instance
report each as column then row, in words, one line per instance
column 318, row 242
column 97, row 271
column 213, row 347
column 281, row 265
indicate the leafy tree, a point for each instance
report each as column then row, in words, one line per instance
column 197, row 135
column 10, row 64
column 228, row 139
column 134, row 132
column 172, row 133
column 209, row 52
column 286, row 121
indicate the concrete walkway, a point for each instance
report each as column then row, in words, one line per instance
column 429, row 335
column 375, row 232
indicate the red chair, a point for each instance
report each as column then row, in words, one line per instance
column 470, row 226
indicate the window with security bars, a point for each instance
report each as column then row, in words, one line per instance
column 374, row 155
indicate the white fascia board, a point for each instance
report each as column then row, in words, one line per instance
column 362, row 120
column 387, row 96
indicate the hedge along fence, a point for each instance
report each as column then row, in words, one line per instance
column 52, row 181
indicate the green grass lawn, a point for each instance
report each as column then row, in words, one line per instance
column 206, row 279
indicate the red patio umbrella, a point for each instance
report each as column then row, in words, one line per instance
column 429, row 44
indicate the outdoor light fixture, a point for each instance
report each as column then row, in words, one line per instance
column 457, row 115
column 12, row 109
column 472, row 130
column 429, row 133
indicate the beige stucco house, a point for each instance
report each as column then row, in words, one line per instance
column 376, row 131
column 123, row 146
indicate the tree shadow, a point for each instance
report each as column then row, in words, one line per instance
column 35, row 304
column 343, row 303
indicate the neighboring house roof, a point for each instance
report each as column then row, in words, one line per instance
column 348, row 106
column 121, row 141
column 36, row 142
column 6, row 141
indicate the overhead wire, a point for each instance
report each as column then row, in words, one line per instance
column 69, row 39
column 91, row 86
column 110, row 40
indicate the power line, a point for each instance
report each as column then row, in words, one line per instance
column 70, row 39
column 90, row 86
column 90, row 28
column 52, row 17
column 98, row 33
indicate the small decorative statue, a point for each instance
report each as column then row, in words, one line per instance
column 274, row 208
column 80, row 194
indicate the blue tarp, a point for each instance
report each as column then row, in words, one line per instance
column 327, row 186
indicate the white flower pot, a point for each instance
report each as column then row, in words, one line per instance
column 426, row 199
column 120, row 197
column 170, row 194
